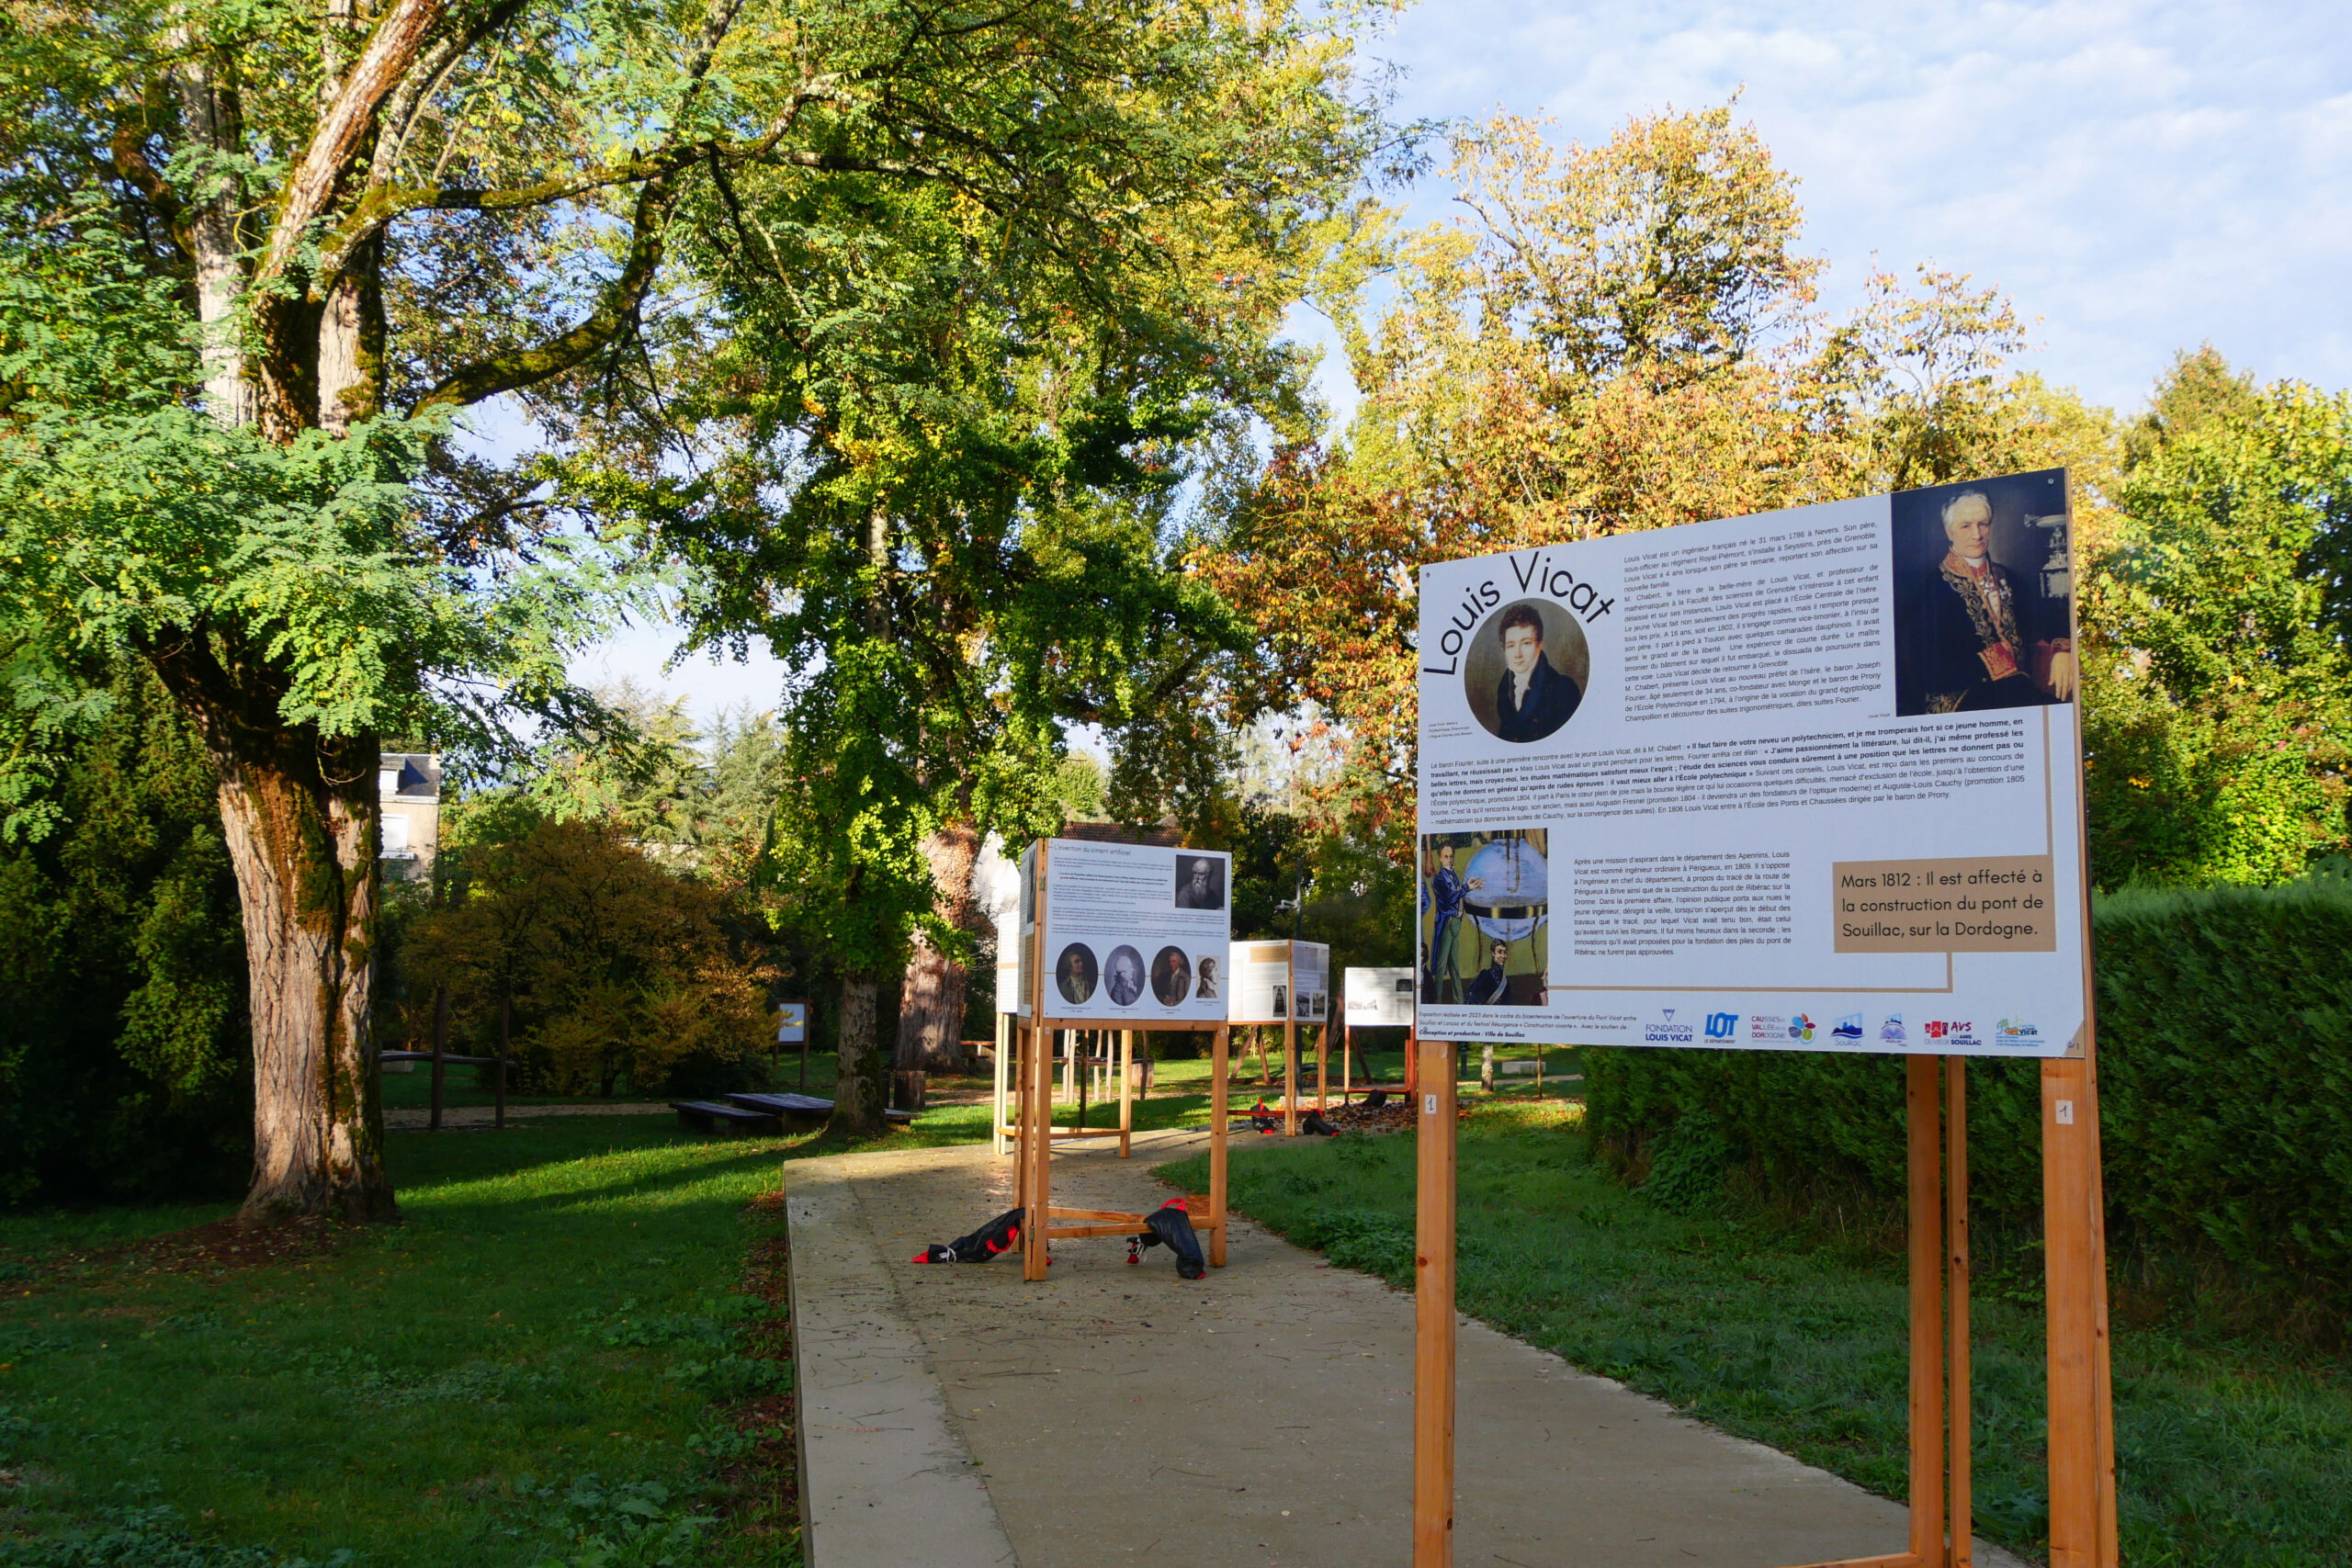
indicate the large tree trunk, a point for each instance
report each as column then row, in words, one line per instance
column 300, row 819
column 930, row 1001
column 861, row 1077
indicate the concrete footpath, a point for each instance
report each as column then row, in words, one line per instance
column 956, row 1415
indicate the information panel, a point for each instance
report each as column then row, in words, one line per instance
column 1129, row 930
column 1281, row 982
column 791, row 1023
column 1803, row 781
column 1379, row 999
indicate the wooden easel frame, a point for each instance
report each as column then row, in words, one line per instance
column 2081, row 1424
column 1035, row 1133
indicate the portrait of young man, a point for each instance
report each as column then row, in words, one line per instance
column 1533, row 698
column 1974, row 633
column 1488, row 988
column 1206, row 985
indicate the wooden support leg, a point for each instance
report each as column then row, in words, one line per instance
column 1964, row 1552
column 1347, row 1074
column 1257, row 1035
column 1433, row 1313
column 1322, row 1062
column 1412, row 1062
column 1217, row 1051
column 1127, row 1088
column 2082, row 1473
column 1040, row 1155
column 1289, row 1075
column 1924, row 1105
column 1023, row 1045
column 1004, row 1074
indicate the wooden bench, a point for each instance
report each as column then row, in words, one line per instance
column 452, row 1061
column 805, row 1106
column 710, row 1116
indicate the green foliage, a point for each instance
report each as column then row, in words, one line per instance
column 123, row 1058
column 2226, row 1089
column 2220, row 729
column 617, row 970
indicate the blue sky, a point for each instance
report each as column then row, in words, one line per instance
column 2138, row 178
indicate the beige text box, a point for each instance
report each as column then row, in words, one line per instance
column 1972, row 904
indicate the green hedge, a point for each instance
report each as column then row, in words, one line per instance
column 2226, row 1078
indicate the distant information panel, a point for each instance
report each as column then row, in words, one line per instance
column 1802, row 781
column 1281, row 982
column 1128, row 928
column 1379, row 999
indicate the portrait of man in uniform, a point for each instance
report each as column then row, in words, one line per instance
column 1442, row 890
column 1974, row 633
column 1489, row 985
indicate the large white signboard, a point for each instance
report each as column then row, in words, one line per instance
column 1128, row 928
column 1807, row 780
column 1379, row 999
column 1281, row 982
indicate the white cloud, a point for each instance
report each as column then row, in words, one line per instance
column 2141, row 177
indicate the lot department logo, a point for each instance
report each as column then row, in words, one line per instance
column 1890, row 1031
column 1848, row 1027
column 1668, row 1032
column 1801, row 1028
column 1721, row 1025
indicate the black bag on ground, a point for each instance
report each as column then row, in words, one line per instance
column 1375, row 1098
column 1171, row 1224
column 999, row 1235
column 1313, row 1123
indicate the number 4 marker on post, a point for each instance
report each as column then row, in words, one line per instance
column 1428, row 1107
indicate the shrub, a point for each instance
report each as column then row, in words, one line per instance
column 615, row 968
column 2225, row 1084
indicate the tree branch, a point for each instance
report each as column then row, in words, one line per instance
column 392, row 50
column 528, row 367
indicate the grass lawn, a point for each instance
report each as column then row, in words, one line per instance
column 2229, row 1452
column 547, row 1363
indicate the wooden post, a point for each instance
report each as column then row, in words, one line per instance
column 1963, row 1513
column 2082, row 1465
column 1019, row 1098
column 1347, row 1075
column 1290, row 1070
column 1217, row 1051
column 1036, row 1122
column 1433, row 1312
column 1923, row 1100
column 808, row 1029
column 1003, row 1073
column 1322, row 1060
column 1126, row 1089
